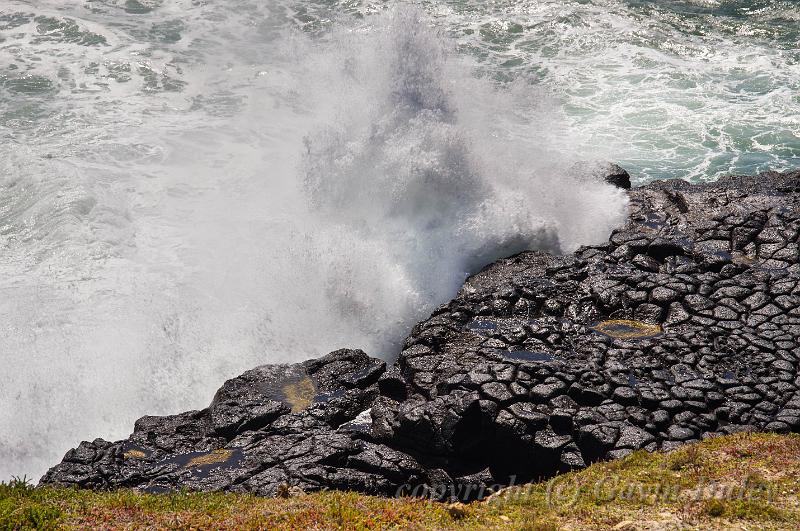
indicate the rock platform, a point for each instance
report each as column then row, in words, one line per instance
column 684, row 325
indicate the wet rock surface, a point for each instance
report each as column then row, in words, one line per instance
column 684, row 325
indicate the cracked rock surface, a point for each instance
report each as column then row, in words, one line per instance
column 684, row 325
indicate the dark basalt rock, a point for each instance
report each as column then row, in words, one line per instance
column 617, row 176
column 684, row 325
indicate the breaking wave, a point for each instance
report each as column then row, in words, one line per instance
column 252, row 194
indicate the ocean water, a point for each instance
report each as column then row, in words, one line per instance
column 191, row 188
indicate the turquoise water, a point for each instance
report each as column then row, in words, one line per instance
column 676, row 89
column 189, row 189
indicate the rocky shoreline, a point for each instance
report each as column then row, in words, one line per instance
column 683, row 326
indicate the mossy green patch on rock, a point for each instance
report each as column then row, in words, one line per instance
column 300, row 394
column 134, row 454
column 743, row 259
column 627, row 329
column 219, row 455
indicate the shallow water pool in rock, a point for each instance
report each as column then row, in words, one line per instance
column 526, row 355
column 481, row 326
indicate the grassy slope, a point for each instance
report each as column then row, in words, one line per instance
column 746, row 481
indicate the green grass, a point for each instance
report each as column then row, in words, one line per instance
column 745, row 480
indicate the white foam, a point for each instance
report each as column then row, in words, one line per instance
column 296, row 196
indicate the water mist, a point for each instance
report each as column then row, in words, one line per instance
column 298, row 194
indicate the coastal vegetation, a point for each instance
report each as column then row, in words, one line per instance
column 745, row 480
